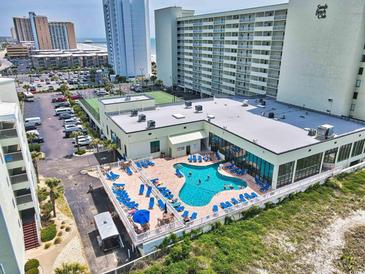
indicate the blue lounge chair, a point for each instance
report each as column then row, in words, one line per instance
column 253, row 195
column 234, row 201
column 193, row 216
column 154, row 180
column 215, row 208
column 141, row 189
column 118, row 185
column 228, row 204
column 199, row 158
column 178, row 173
column 205, row 158
column 151, row 163
column 223, row 205
column 149, row 191
column 180, row 208
column 242, row 199
column 151, row 203
column 161, row 204
column 194, row 158
column 114, row 175
column 185, row 214
column 144, row 164
column 247, row 196
column 190, row 158
column 138, row 164
column 128, row 170
column 177, row 204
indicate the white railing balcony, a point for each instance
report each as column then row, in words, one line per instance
column 264, row 18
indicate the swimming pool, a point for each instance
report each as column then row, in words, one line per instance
column 197, row 193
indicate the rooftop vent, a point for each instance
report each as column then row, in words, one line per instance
column 245, row 103
column 325, row 132
column 188, row 104
column 178, row 116
column 210, row 117
column 271, row 115
column 198, row 108
column 141, row 118
column 134, row 112
column 151, row 124
column 312, row 132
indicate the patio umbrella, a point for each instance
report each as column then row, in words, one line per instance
column 141, row 216
column 165, row 208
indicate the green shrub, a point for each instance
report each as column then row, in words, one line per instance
column 58, row 240
column 68, row 229
column 47, row 245
column 35, row 147
column 31, row 263
column 32, row 271
column 59, row 234
column 42, row 194
column 80, row 152
column 62, row 226
column 48, row 233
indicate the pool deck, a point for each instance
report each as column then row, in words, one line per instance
column 165, row 172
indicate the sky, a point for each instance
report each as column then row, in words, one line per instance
column 87, row 15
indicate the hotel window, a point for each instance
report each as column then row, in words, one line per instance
column 285, row 174
column 355, row 95
column 344, row 153
column 330, row 156
column 308, row 166
column 361, row 70
column 155, row 146
column 358, row 83
column 358, row 148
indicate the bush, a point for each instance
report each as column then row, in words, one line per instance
column 58, row 240
column 35, row 147
column 32, row 271
column 68, row 229
column 59, row 234
column 48, row 233
column 62, row 226
column 31, row 263
column 47, row 245
column 80, row 152
column 42, row 194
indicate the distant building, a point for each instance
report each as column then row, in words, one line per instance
column 13, row 33
column 45, row 35
column 128, row 37
column 62, row 35
column 17, row 51
column 68, row 58
column 23, row 29
column 19, row 211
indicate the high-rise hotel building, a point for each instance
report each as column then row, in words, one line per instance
column 19, row 212
column 235, row 52
column 305, row 53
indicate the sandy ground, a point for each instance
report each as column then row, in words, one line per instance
column 332, row 242
column 71, row 250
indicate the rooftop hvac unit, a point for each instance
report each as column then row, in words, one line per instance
column 312, row 132
column 271, row 115
column 325, row 132
column 188, row 104
column 198, row 108
column 151, row 124
column 141, row 118
column 245, row 103
column 134, row 112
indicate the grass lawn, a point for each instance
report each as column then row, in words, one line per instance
column 162, row 97
column 275, row 239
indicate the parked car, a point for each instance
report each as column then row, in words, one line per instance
column 38, row 140
column 64, row 116
column 72, row 121
column 36, row 121
column 58, row 99
column 62, row 105
column 30, row 127
column 76, row 96
column 101, row 93
column 83, row 140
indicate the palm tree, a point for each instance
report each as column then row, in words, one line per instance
column 35, row 157
column 26, row 87
column 76, row 135
column 55, row 190
column 71, row 268
column 95, row 143
column 111, row 147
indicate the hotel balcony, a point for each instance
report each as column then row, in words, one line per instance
column 260, row 56
column 261, row 47
column 264, row 18
column 14, row 160
column 259, row 74
column 264, row 28
column 8, row 137
column 24, row 202
column 19, row 181
column 262, row 38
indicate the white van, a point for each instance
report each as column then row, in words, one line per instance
column 58, row 111
column 33, row 121
column 28, row 96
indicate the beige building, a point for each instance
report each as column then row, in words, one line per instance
column 40, row 29
column 17, row 51
column 23, row 30
column 62, row 35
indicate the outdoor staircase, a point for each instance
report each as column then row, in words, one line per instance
column 30, row 235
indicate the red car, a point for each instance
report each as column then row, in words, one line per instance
column 58, row 99
column 76, row 96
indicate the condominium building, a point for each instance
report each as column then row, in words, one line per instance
column 19, row 212
column 23, row 29
column 40, row 29
column 235, row 52
column 128, row 36
column 17, row 51
column 62, row 35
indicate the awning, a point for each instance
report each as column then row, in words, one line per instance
column 105, row 225
column 188, row 137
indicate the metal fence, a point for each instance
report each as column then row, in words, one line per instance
column 234, row 212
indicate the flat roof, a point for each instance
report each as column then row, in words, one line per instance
column 277, row 135
column 105, row 225
column 118, row 100
column 7, row 109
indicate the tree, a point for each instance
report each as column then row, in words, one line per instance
column 31, row 136
column 64, row 89
column 26, row 87
column 159, row 82
column 55, row 190
column 95, row 143
column 111, row 147
column 153, row 78
column 146, row 82
column 76, row 135
column 71, row 268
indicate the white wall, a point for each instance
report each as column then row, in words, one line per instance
column 321, row 56
column 8, row 91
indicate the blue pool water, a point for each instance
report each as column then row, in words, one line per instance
column 195, row 194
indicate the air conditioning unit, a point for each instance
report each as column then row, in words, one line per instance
column 198, row 108
column 151, row 124
column 325, row 132
column 245, row 103
column 141, row 118
column 271, row 115
column 188, row 104
column 134, row 112
column 312, row 132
